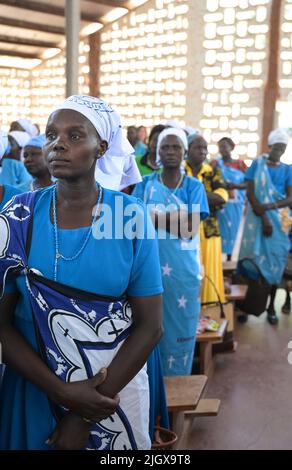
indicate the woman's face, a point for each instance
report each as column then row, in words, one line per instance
column 276, row 152
column 198, row 151
column 72, row 145
column 142, row 133
column 34, row 161
column 171, row 151
column 225, row 148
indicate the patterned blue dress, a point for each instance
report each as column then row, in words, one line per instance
column 180, row 266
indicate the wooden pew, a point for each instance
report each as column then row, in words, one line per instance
column 229, row 266
column 205, row 343
column 238, row 292
column 205, row 407
column 183, row 393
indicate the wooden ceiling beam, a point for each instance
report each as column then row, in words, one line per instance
column 27, row 42
column 44, row 8
column 24, row 55
column 110, row 3
column 13, row 22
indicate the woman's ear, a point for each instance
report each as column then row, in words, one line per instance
column 103, row 146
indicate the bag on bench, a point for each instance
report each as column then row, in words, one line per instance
column 258, row 290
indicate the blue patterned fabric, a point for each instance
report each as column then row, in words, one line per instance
column 270, row 254
column 230, row 216
column 180, row 265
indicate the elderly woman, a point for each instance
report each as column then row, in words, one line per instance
column 212, row 179
column 89, row 303
column 35, row 163
column 266, row 233
column 176, row 201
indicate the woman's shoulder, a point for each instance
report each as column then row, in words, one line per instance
column 111, row 197
column 191, row 183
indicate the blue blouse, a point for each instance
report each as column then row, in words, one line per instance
column 281, row 175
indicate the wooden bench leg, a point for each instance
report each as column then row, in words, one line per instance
column 206, row 359
column 177, row 426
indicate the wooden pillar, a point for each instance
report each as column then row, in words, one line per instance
column 72, row 12
column 94, row 63
column 271, row 91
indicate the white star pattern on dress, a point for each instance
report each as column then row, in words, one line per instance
column 182, row 302
column 166, row 270
column 229, row 223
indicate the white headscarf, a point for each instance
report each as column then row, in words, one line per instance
column 191, row 130
column 173, row 123
column 3, row 143
column 117, row 168
column 278, row 136
column 171, row 131
column 21, row 137
column 28, row 126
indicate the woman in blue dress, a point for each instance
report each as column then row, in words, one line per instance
column 231, row 214
column 35, row 163
column 7, row 191
column 266, row 232
column 13, row 171
column 89, row 302
column 176, row 203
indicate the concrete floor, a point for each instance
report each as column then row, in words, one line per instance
column 255, row 388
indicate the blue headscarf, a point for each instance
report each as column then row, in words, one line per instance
column 37, row 141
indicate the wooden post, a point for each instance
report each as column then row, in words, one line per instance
column 271, row 92
column 94, row 64
column 72, row 10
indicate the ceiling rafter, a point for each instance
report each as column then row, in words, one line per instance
column 45, row 8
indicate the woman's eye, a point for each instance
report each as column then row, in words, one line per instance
column 75, row 137
column 50, row 136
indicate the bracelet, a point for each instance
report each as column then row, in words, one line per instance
column 87, row 420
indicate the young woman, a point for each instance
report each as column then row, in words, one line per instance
column 266, row 233
column 80, row 312
column 173, row 199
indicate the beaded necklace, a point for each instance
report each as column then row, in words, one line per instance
column 57, row 250
column 175, row 189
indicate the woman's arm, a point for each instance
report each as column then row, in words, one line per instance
column 215, row 200
column 287, row 202
column 131, row 357
column 237, row 186
column 257, row 207
column 80, row 396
